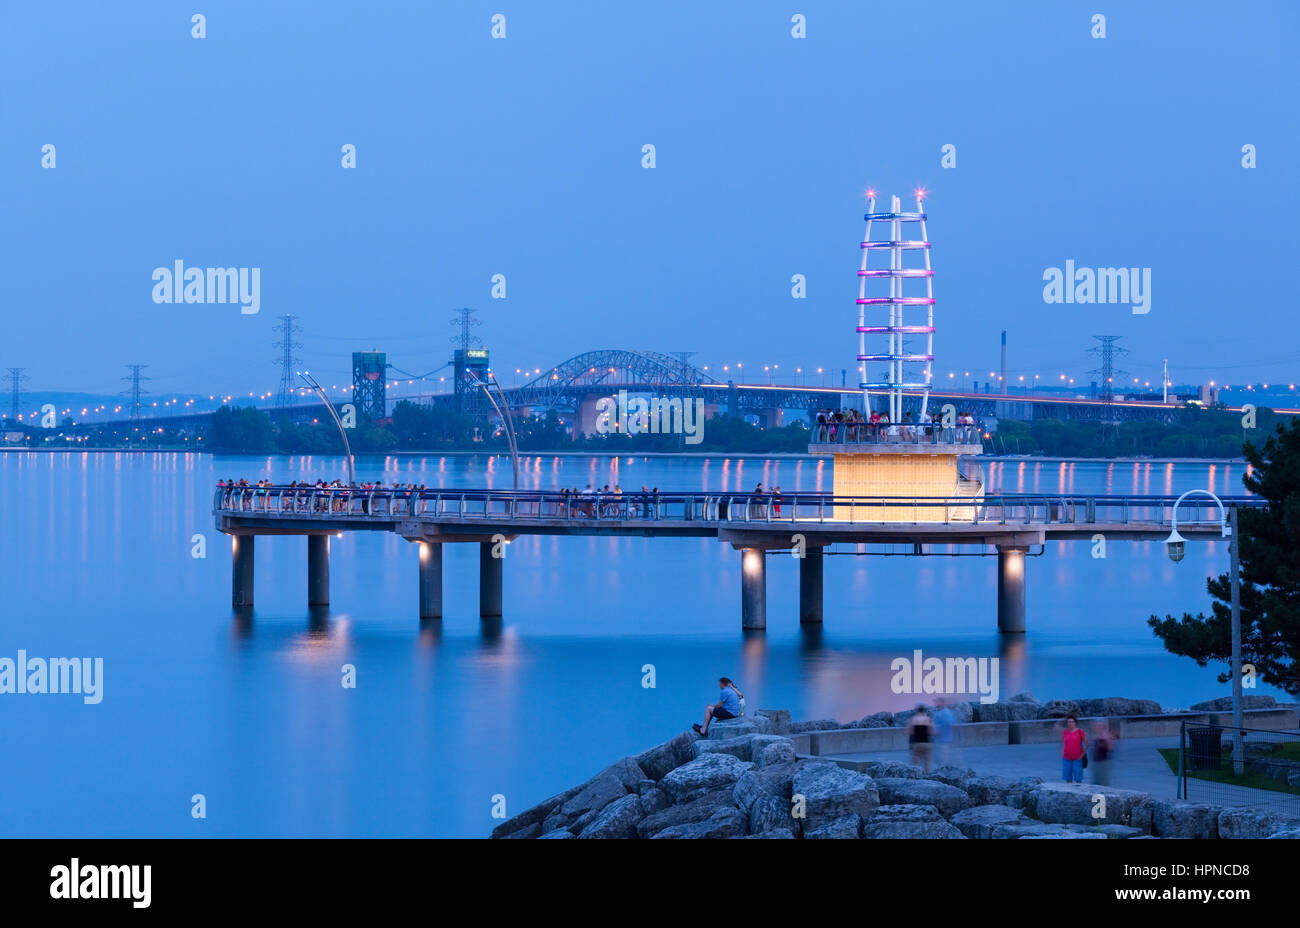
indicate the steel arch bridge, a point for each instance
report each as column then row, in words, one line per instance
column 601, row 371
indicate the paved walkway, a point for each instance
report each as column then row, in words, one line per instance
column 1137, row 765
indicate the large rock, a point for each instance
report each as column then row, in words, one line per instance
column 980, row 821
column 776, row 833
column 1075, row 803
column 597, row 794
column 906, row 812
column 1037, row 830
column 530, row 831
column 816, row 725
column 1010, row 711
column 950, row 774
column 992, row 790
column 875, row 720
column 662, row 758
column 780, row 719
column 1250, row 823
column 698, row 809
column 655, row 800
column 1291, row 833
column 949, row 800
column 537, row 814
column 910, row 830
column 745, row 725
column 1174, row 819
column 1224, row 703
column 727, row 822
column 617, row 820
column 1059, row 709
column 892, row 769
column 557, row 833
column 707, row 771
column 830, row 792
column 763, row 795
column 776, row 753
column 1118, row 705
column 746, row 747
column 850, row 826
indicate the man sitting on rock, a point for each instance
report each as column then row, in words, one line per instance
column 728, row 707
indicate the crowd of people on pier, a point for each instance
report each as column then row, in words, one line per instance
column 412, row 499
column 321, row 495
column 849, row 425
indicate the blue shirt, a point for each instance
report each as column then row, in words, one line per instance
column 730, row 701
column 943, row 722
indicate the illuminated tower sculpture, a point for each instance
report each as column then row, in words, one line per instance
column 889, row 341
column 909, row 456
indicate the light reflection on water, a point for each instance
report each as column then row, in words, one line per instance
column 249, row 709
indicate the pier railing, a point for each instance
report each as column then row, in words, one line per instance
column 906, row 433
column 495, row 506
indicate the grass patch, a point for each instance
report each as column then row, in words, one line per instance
column 1225, row 774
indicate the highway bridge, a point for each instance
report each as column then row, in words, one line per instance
column 757, row 525
column 575, row 386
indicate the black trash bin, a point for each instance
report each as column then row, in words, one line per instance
column 1205, row 747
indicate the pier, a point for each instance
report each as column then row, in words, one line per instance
column 1009, row 527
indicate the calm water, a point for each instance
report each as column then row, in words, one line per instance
column 96, row 562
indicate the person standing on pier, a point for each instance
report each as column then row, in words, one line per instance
column 727, row 706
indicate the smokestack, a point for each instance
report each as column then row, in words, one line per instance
column 1004, row 362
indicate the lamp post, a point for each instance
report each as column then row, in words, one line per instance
column 506, row 419
column 310, row 381
column 1176, row 544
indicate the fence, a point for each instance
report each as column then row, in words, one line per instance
column 1267, row 776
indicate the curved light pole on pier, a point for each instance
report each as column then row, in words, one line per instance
column 311, row 381
column 506, row 418
column 1176, row 542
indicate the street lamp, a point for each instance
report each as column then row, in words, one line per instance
column 311, row 381
column 1176, row 545
column 506, row 419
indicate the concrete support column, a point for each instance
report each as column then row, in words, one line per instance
column 489, row 581
column 810, row 587
column 753, row 588
column 241, row 571
column 430, row 580
column 1011, row 589
column 318, row 570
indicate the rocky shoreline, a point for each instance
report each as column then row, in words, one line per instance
column 746, row 780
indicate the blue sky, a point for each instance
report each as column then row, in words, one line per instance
column 522, row 156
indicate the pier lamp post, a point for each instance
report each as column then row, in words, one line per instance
column 506, row 420
column 1177, row 545
column 311, row 381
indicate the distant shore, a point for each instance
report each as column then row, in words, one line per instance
column 459, row 452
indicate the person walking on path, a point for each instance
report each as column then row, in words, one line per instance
column 1074, row 748
column 1103, row 751
column 727, row 706
column 920, row 737
column 944, row 733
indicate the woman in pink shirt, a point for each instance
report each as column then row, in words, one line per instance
column 1073, row 745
